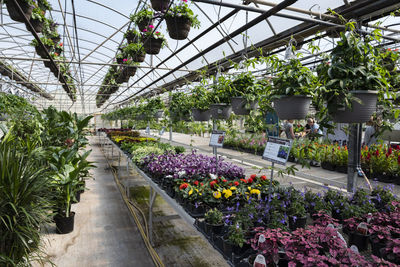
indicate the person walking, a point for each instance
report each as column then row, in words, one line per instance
column 288, row 128
column 370, row 131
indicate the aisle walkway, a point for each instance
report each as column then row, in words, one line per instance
column 104, row 233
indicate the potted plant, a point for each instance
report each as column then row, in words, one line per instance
column 159, row 5
column 143, row 18
column 153, row 41
column 154, row 108
column 297, row 215
column 200, row 99
column 220, row 98
column 245, row 92
column 180, row 19
column 236, row 242
column 26, row 6
column 48, row 43
column 37, row 19
column 132, row 36
column 292, row 89
column 213, row 222
column 127, row 70
column 357, row 230
column 134, row 51
column 352, row 77
column 179, row 107
column 59, row 48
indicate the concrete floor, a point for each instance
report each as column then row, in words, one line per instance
column 104, row 234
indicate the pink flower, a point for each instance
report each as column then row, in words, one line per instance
column 151, row 26
column 158, row 33
column 124, row 60
column 144, row 30
column 184, row 1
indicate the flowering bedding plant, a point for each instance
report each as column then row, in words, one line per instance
column 149, row 32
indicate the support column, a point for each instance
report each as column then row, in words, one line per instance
column 354, row 149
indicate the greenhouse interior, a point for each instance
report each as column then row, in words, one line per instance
column 199, row 133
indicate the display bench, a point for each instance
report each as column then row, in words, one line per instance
column 112, row 151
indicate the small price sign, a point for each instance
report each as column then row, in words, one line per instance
column 217, row 138
column 277, row 150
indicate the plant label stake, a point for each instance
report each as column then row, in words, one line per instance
column 277, row 151
column 260, row 261
column 217, row 140
column 162, row 131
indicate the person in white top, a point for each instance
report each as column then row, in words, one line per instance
column 370, row 132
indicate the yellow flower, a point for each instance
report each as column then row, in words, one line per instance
column 228, row 193
column 190, row 192
column 217, row 194
column 197, row 190
column 249, row 188
column 233, row 188
column 255, row 191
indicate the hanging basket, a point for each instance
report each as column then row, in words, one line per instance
column 334, row 32
column 122, row 78
column 120, row 60
column 47, row 64
column 201, row 115
column 144, row 23
column 36, row 24
column 292, row 107
column 178, row 27
column 158, row 114
column 152, row 46
column 58, row 50
column 139, row 57
column 132, row 38
column 220, row 111
column 14, row 12
column 56, row 39
column 129, row 71
column 239, row 105
column 41, row 52
column 159, row 5
column 360, row 112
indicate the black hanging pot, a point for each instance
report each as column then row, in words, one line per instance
column 129, row 71
column 144, row 23
column 120, row 60
column 220, row 111
column 139, row 57
column 64, row 224
column 159, row 5
column 132, row 38
column 201, row 115
column 292, row 107
column 13, row 10
column 300, row 222
column 47, row 63
column 58, row 50
column 178, row 27
column 239, row 105
column 41, row 52
column 36, row 24
column 56, row 39
column 152, row 45
column 122, row 78
column 360, row 112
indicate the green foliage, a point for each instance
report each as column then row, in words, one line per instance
column 200, row 98
column 221, row 90
column 133, row 49
column 45, row 40
column 213, row 216
column 236, row 235
column 142, row 16
column 182, row 10
column 179, row 106
column 38, row 14
column 44, row 5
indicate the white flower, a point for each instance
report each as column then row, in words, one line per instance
column 181, row 174
column 213, row 176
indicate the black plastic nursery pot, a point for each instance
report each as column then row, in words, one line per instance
column 220, row 111
column 152, row 46
column 214, row 229
column 360, row 112
column 341, row 169
column 359, row 240
column 159, row 5
column 327, row 166
column 239, row 105
column 178, row 27
column 376, row 247
column 14, row 12
column 300, row 222
column 64, row 225
column 201, row 115
column 41, row 52
column 292, row 107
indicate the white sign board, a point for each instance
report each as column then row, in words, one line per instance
column 277, row 150
column 217, row 138
column 147, row 130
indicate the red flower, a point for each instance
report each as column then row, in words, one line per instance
column 224, row 180
column 250, row 180
column 263, row 177
column 212, row 183
column 369, row 156
column 196, row 183
column 183, row 186
column 390, row 151
column 201, row 184
column 184, row 180
column 377, row 152
column 398, row 160
column 253, row 176
column 236, row 183
column 243, row 180
column 230, row 184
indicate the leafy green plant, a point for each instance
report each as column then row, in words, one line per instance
column 200, row 98
column 38, row 14
column 182, row 10
column 179, row 106
column 44, row 5
column 149, row 33
column 221, row 90
column 236, row 235
column 45, row 40
column 213, row 216
column 133, row 49
column 142, row 16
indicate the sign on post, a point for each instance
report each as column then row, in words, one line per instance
column 217, row 138
column 162, row 131
column 277, row 150
column 147, row 130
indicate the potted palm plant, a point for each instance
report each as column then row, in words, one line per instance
column 352, row 77
column 292, row 89
column 143, row 18
column 200, row 98
column 220, row 98
column 245, row 92
column 153, row 41
column 159, row 5
column 180, row 18
column 26, row 6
